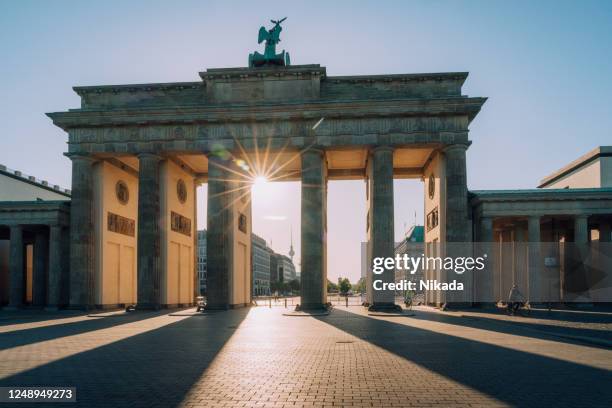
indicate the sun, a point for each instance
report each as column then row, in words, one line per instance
column 260, row 181
column 260, row 185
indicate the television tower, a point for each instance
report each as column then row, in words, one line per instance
column 291, row 251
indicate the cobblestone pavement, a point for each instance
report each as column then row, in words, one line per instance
column 258, row 357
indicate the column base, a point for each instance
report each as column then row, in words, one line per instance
column 239, row 305
column 11, row 308
column 85, row 308
column 217, row 307
column 386, row 307
column 457, row 305
column 51, row 308
column 485, row 305
column 313, row 307
column 148, row 306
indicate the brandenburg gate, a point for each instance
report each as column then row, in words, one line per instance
column 139, row 151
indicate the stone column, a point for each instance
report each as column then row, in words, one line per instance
column 485, row 278
column 458, row 228
column 581, row 229
column 55, row 267
column 535, row 259
column 149, row 263
column 382, row 237
column 195, row 278
column 486, row 229
column 604, row 255
column 577, row 281
column 16, row 268
column 82, row 233
column 314, row 230
column 39, row 276
column 604, row 231
column 457, row 221
column 218, row 236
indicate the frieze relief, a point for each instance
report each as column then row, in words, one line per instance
column 195, row 136
column 180, row 224
column 121, row 225
column 134, row 134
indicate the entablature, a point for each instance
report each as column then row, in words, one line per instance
column 465, row 106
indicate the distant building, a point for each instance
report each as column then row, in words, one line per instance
column 282, row 269
column 16, row 186
column 274, row 276
column 38, row 214
column 286, row 269
column 261, row 266
column 592, row 170
column 201, row 258
column 413, row 246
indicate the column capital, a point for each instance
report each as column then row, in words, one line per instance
column 455, row 146
column 382, row 148
column 581, row 216
column 82, row 157
column 486, row 219
column 147, row 155
column 314, row 149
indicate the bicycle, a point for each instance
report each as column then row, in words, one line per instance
column 515, row 308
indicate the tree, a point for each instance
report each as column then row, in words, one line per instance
column 276, row 286
column 294, row 285
column 331, row 286
column 344, row 285
column 360, row 286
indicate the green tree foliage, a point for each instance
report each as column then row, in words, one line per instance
column 344, row 285
column 360, row 286
column 276, row 287
column 331, row 286
column 294, row 285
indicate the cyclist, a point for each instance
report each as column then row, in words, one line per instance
column 515, row 300
column 408, row 297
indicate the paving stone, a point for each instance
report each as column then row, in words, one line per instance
column 259, row 358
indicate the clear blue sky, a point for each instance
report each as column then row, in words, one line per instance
column 546, row 67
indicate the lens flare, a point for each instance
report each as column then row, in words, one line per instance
column 260, row 180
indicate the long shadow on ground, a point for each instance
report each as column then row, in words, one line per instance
column 155, row 368
column 559, row 333
column 38, row 334
column 32, row 316
column 599, row 314
column 511, row 376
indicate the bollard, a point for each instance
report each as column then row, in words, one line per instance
column 285, row 303
column 270, row 303
column 346, row 301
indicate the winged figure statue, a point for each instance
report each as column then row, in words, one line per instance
column 271, row 38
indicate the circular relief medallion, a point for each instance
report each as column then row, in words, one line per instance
column 432, row 186
column 122, row 192
column 181, row 190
